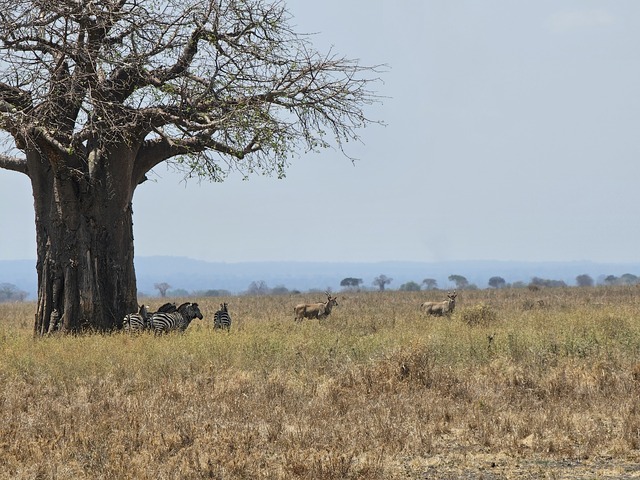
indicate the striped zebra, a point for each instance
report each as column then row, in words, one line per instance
column 168, row 307
column 136, row 322
column 162, row 322
column 222, row 319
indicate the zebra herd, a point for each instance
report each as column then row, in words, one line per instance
column 169, row 318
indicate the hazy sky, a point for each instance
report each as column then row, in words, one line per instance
column 513, row 133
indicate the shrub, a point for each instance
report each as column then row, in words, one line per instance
column 481, row 314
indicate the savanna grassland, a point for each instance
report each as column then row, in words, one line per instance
column 516, row 384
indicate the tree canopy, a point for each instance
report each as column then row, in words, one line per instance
column 410, row 287
column 460, row 281
column 497, row 282
column 430, row 283
column 218, row 85
column 351, row 282
column 584, row 280
column 10, row 293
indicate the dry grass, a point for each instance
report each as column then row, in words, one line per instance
column 536, row 384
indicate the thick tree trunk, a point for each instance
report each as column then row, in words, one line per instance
column 84, row 229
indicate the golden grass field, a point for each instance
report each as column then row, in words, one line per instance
column 376, row 391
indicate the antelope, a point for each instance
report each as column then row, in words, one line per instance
column 440, row 308
column 315, row 310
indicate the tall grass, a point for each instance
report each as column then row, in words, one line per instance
column 375, row 391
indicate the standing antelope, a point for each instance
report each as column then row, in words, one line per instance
column 315, row 310
column 440, row 308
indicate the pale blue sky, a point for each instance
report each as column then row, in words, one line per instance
column 512, row 134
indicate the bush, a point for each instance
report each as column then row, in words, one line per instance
column 481, row 314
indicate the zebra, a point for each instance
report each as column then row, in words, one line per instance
column 162, row 322
column 222, row 319
column 167, row 308
column 136, row 322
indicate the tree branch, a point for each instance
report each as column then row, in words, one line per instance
column 14, row 96
column 14, row 164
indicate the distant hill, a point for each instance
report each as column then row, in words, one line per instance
column 197, row 275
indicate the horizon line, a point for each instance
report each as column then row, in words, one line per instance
column 595, row 262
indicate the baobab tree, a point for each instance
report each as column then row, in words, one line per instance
column 162, row 287
column 93, row 95
column 381, row 281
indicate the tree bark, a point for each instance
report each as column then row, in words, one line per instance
column 84, row 230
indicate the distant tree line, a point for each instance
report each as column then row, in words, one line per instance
column 497, row 282
column 626, row 279
column 261, row 288
column 9, row 292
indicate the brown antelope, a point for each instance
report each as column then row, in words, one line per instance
column 440, row 308
column 315, row 310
